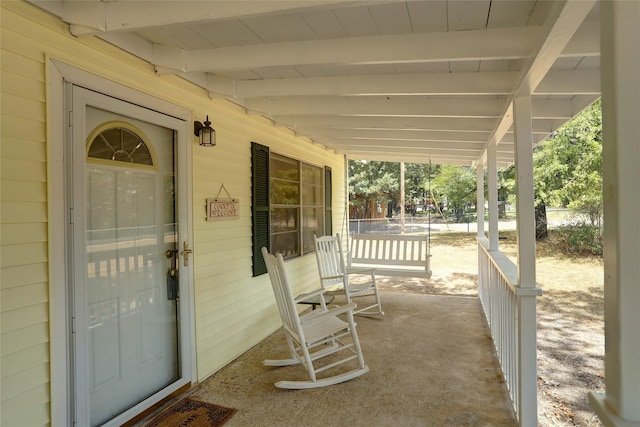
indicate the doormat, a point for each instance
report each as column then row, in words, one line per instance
column 192, row 413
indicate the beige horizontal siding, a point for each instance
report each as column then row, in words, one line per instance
column 22, row 212
column 11, row 234
column 13, row 320
column 35, row 416
column 18, row 64
column 20, row 297
column 23, row 170
column 24, row 338
column 25, row 191
column 20, row 275
column 15, row 407
column 23, row 149
column 23, row 86
column 24, row 289
column 16, row 384
column 26, row 253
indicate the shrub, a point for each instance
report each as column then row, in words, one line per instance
column 580, row 238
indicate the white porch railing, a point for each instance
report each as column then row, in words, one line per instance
column 507, row 307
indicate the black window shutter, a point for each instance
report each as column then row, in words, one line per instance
column 259, row 205
column 328, row 218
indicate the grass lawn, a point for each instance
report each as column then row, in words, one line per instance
column 570, row 317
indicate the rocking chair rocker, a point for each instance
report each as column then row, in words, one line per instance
column 315, row 335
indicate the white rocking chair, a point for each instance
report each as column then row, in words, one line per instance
column 314, row 336
column 333, row 270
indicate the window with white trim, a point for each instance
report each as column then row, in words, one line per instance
column 288, row 205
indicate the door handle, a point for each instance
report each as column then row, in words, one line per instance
column 185, row 252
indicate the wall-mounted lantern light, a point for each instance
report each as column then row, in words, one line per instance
column 205, row 133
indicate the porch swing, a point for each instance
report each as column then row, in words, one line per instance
column 400, row 255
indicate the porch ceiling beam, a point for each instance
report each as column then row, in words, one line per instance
column 91, row 17
column 327, row 121
column 399, row 137
column 379, row 106
column 465, row 154
column 396, row 135
column 421, row 158
column 132, row 43
column 473, row 83
column 561, row 82
column 505, row 148
column 451, row 160
column 503, row 43
column 488, row 83
column 393, row 156
column 403, row 107
column 422, row 145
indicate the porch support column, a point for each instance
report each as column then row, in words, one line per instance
column 527, row 289
column 492, row 175
column 480, row 198
column 620, row 63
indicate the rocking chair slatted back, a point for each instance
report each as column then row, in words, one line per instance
column 333, row 270
column 283, row 294
column 330, row 258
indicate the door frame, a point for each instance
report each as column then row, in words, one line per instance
column 60, row 323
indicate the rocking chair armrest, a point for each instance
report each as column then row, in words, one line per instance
column 308, row 295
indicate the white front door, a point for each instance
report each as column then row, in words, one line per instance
column 125, row 242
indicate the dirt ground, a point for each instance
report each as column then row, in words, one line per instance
column 570, row 318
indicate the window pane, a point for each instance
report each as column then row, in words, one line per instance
column 311, row 185
column 312, row 223
column 284, row 219
column 312, row 195
column 284, row 168
column 286, row 244
column 311, row 174
column 284, row 192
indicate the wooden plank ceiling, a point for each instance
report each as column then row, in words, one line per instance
column 412, row 81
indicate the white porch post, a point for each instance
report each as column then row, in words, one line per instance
column 492, row 175
column 527, row 289
column 480, row 198
column 620, row 80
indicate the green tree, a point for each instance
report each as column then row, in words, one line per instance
column 417, row 179
column 567, row 169
column 372, row 184
column 568, row 166
column 458, row 185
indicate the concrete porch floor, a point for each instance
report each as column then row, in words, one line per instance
column 431, row 360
